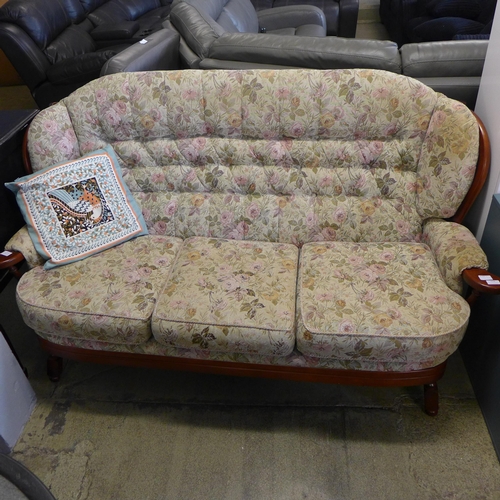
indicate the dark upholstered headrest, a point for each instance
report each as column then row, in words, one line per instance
column 75, row 10
column 43, row 20
column 232, row 15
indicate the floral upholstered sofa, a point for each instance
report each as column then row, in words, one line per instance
column 302, row 224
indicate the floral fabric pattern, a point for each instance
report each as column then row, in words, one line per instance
column 229, row 296
column 109, row 296
column 455, row 249
column 379, row 301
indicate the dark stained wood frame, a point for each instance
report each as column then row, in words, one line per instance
column 426, row 377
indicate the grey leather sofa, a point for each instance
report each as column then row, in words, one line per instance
column 451, row 67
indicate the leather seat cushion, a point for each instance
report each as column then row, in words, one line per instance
column 378, row 302
column 230, row 296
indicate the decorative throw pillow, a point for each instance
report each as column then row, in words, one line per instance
column 78, row 208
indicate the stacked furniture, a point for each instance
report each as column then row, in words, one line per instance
column 300, row 224
column 210, row 41
column 60, row 45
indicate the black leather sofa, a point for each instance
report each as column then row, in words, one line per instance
column 57, row 46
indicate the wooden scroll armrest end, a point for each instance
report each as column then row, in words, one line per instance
column 11, row 260
column 489, row 286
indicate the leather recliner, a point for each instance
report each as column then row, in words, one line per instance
column 229, row 34
column 57, row 46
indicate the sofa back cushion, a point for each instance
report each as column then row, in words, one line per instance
column 288, row 155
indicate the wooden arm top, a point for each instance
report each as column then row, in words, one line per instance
column 471, row 277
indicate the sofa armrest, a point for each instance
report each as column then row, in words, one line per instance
column 21, row 242
column 306, row 52
column 450, row 58
column 159, row 51
column 290, row 16
column 455, row 249
column 463, row 89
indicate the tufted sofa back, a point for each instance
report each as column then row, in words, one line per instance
column 289, row 155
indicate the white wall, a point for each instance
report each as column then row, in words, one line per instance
column 488, row 109
column 17, row 398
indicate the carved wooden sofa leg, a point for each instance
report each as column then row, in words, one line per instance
column 431, row 399
column 54, row 368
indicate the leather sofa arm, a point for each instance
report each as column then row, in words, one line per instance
column 455, row 58
column 290, row 16
column 306, row 52
column 455, row 249
column 159, row 51
column 198, row 31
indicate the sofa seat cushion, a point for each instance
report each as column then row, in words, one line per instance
column 379, row 302
column 108, row 296
column 230, row 296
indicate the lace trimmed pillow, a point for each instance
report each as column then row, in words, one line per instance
column 79, row 208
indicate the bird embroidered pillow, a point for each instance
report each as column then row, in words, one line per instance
column 76, row 209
